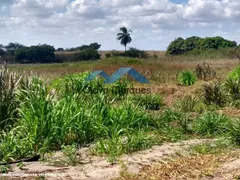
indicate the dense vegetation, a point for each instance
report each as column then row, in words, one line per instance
column 37, row 118
column 131, row 52
column 17, row 53
column 35, row 54
column 196, row 45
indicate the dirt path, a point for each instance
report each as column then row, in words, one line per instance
column 99, row 168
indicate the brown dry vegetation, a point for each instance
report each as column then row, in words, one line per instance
column 209, row 166
column 162, row 72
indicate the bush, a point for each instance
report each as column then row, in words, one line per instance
column 88, row 54
column 186, row 78
column 132, row 52
column 235, row 74
column 214, row 94
column 181, row 46
column 205, row 72
column 108, row 55
column 135, row 53
column 211, row 124
column 36, row 54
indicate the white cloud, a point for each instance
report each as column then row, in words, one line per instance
column 75, row 22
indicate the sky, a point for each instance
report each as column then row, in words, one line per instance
column 154, row 23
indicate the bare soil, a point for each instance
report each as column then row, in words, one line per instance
column 94, row 167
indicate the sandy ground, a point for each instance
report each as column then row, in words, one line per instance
column 93, row 167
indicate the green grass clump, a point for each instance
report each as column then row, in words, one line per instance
column 117, row 145
column 188, row 103
column 148, row 101
column 186, row 78
column 234, row 129
column 235, row 74
column 215, row 147
column 211, row 123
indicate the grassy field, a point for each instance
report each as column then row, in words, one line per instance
column 51, row 108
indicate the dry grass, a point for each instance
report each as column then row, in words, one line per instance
column 159, row 71
column 208, row 166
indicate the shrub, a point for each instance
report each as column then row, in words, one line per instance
column 205, row 72
column 135, row 53
column 181, row 46
column 36, row 54
column 235, row 74
column 214, row 94
column 132, row 52
column 108, row 55
column 211, row 124
column 88, row 54
column 186, row 78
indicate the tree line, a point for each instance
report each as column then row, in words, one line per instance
column 180, row 46
column 44, row 53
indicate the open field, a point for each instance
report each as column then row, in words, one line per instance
column 175, row 132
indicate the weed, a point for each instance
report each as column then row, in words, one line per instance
column 212, row 148
column 70, row 151
column 118, row 145
column 234, row 129
column 5, row 169
column 233, row 88
column 214, row 94
column 21, row 166
column 186, row 78
column 188, row 103
column 235, row 74
column 8, row 103
column 184, row 122
column 205, row 72
column 148, row 101
column 211, row 123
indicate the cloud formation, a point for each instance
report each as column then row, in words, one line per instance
column 66, row 23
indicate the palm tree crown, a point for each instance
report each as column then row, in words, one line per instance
column 124, row 36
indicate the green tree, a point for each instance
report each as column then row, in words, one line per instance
column 192, row 42
column 124, row 37
column 177, row 47
column 35, row 54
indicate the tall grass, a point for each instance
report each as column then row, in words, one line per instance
column 8, row 103
column 71, row 116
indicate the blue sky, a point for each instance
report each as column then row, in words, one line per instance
column 154, row 23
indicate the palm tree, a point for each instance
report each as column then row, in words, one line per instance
column 124, row 37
